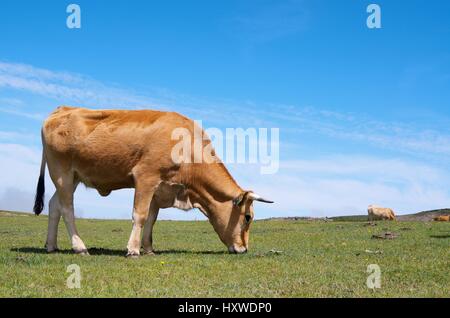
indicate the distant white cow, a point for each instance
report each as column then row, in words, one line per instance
column 379, row 213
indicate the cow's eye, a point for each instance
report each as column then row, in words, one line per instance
column 248, row 218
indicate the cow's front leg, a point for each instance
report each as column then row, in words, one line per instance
column 147, row 237
column 142, row 197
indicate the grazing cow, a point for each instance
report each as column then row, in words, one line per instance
column 442, row 218
column 114, row 149
column 379, row 213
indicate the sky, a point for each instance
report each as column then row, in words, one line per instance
column 363, row 114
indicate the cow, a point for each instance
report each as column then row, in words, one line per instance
column 442, row 218
column 379, row 213
column 114, row 149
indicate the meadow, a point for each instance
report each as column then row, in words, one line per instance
column 287, row 258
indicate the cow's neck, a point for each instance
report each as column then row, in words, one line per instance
column 212, row 185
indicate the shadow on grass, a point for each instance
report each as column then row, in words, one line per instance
column 113, row 252
column 440, row 236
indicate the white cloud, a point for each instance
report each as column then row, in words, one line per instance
column 16, row 136
column 11, row 101
column 367, row 168
column 68, row 88
column 401, row 137
column 13, row 199
column 16, row 112
column 28, row 71
column 71, row 88
column 347, row 185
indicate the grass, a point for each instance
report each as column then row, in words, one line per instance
column 286, row 259
column 350, row 218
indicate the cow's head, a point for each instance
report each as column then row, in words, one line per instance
column 232, row 220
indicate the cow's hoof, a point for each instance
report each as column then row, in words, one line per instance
column 133, row 255
column 51, row 249
column 82, row 252
column 150, row 253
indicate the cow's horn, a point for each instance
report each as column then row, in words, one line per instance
column 256, row 197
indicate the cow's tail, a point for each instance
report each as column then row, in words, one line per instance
column 40, row 189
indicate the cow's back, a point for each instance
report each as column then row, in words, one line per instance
column 70, row 127
column 103, row 146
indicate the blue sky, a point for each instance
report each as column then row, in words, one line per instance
column 363, row 114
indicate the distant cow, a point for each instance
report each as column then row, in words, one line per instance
column 442, row 218
column 379, row 213
column 114, row 149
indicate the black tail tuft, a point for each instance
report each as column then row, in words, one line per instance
column 39, row 199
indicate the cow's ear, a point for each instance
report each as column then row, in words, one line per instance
column 240, row 199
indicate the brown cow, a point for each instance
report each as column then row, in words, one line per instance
column 114, row 149
column 379, row 213
column 442, row 218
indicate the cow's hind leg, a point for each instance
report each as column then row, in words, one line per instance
column 147, row 237
column 65, row 196
column 54, row 215
column 144, row 190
